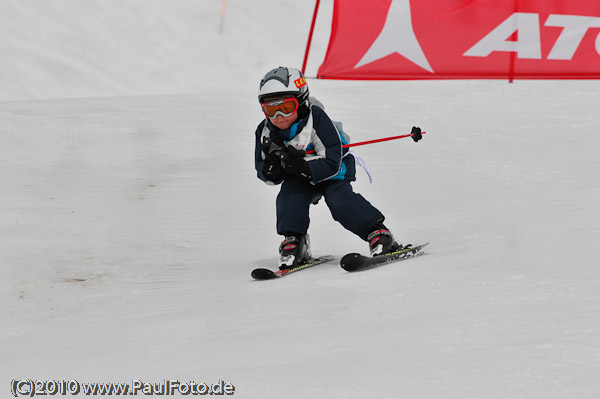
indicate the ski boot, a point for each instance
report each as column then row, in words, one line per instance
column 294, row 251
column 382, row 242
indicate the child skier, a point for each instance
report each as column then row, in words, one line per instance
column 294, row 125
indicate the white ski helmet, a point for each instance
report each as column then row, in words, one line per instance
column 284, row 80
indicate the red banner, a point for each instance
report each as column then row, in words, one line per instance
column 463, row 39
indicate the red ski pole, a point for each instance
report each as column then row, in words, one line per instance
column 372, row 141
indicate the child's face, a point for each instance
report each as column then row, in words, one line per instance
column 281, row 121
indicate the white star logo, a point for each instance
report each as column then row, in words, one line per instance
column 397, row 36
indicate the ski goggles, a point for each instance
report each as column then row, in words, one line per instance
column 284, row 107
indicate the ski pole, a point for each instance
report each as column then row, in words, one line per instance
column 373, row 141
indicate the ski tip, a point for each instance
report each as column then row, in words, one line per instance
column 349, row 261
column 263, row 274
column 352, row 255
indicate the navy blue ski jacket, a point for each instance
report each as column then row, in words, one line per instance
column 314, row 132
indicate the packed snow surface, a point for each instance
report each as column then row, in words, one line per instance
column 131, row 216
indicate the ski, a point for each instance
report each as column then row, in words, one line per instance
column 356, row 262
column 267, row 274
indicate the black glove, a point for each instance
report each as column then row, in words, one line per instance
column 416, row 132
column 271, row 168
column 272, row 147
column 293, row 163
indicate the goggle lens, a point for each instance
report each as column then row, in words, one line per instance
column 285, row 107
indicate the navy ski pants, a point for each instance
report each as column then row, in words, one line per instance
column 348, row 208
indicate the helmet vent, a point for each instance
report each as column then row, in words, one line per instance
column 281, row 74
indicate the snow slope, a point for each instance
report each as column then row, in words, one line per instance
column 70, row 48
column 130, row 225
